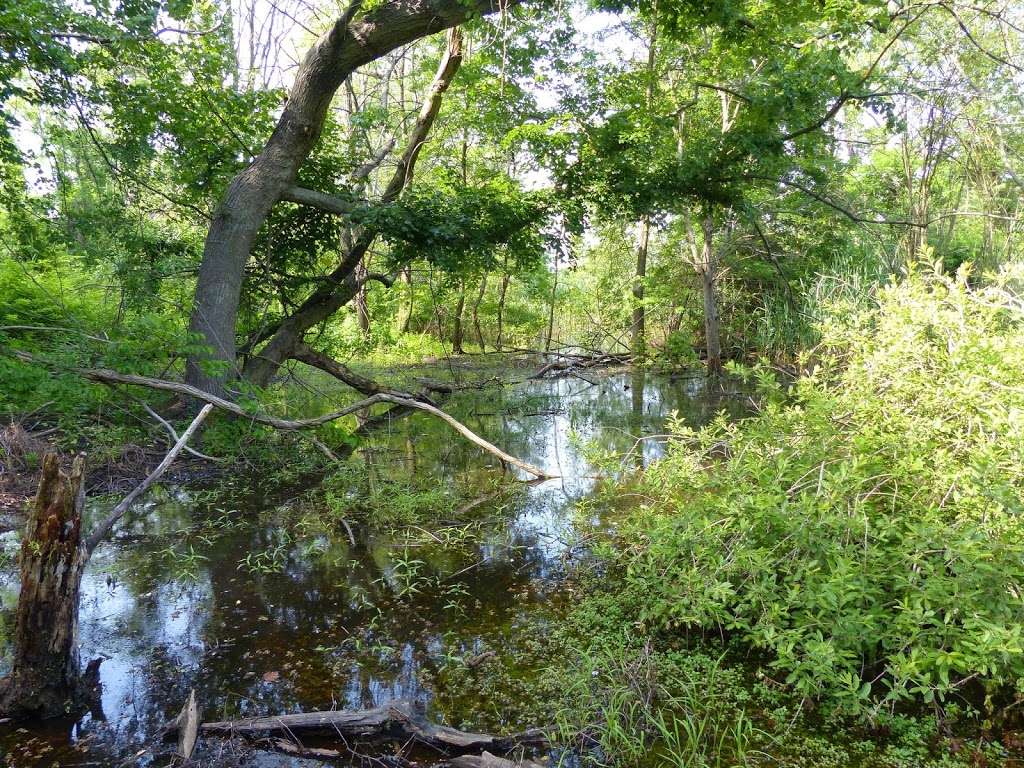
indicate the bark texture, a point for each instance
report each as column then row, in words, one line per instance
column 354, row 40
column 44, row 679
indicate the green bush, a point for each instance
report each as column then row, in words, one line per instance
column 865, row 529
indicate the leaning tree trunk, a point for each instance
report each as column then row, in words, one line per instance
column 44, row 679
column 357, row 38
column 339, row 287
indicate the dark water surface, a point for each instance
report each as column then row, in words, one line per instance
column 263, row 613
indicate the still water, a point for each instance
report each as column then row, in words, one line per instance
column 265, row 602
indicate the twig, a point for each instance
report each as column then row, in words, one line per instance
column 118, row 512
column 174, row 435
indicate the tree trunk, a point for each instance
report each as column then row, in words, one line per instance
column 505, row 278
column 638, row 343
column 405, row 310
column 350, row 43
column 262, row 366
column 708, row 273
column 342, row 284
column 476, row 313
column 551, row 308
column 362, row 308
column 460, row 309
column 44, row 679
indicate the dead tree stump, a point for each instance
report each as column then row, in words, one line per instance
column 45, row 678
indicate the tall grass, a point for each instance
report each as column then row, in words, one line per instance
column 784, row 325
column 629, row 706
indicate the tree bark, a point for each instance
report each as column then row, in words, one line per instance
column 476, row 313
column 350, row 43
column 638, row 343
column 460, row 310
column 44, row 679
column 505, row 279
column 341, row 285
column 708, row 270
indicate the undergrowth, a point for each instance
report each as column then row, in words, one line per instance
column 838, row 579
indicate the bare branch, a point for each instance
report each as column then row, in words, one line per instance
column 324, row 202
column 174, row 435
column 106, row 376
column 101, row 530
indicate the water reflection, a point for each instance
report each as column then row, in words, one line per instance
column 260, row 617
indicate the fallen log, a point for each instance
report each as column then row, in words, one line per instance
column 569, row 362
column 397, row 720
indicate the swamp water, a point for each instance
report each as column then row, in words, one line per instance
column 276, row 601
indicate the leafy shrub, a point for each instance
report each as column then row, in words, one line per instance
column 866, row 529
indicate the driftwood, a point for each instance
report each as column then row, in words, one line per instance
column 398, row 720
column 488, row 760
column 187, row 724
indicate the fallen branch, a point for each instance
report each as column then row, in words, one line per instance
column 571, row 362
column 101, row 530
column 174, row 435
column 398, row 720
column 105, row 376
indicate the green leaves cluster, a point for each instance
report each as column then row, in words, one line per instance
column 464, row 228
column 865, row 530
